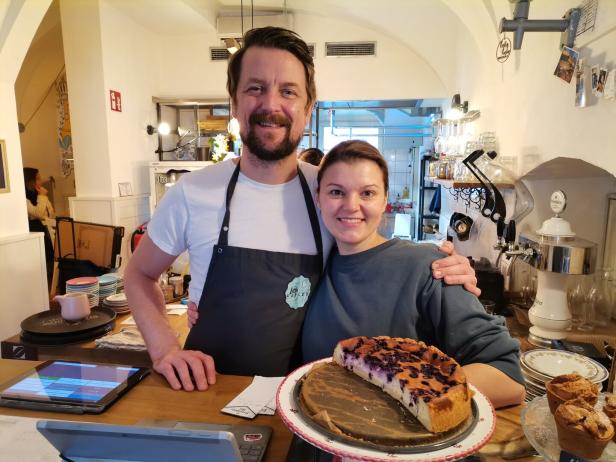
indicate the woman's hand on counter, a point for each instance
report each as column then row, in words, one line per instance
column 187, row 369
column 192, row 314
column 455, row 269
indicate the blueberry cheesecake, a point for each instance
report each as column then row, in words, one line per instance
column 427, row 382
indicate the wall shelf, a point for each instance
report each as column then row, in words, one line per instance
column 426, row 184
column 466, row 184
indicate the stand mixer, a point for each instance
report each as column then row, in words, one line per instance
column 556, row 252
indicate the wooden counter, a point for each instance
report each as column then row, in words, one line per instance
column 14, row 348
column 153, row 399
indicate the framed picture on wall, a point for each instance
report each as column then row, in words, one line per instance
column 4, row 169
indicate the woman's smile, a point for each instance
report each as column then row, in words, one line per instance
column 352, row 200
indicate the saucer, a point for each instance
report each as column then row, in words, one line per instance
column 545, row 364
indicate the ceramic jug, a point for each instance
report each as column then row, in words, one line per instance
column 73, row 306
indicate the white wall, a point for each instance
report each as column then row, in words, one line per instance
column 106, row 50
column 23, row 284
column 81, row 31
column 530, row 109
column 396, row 72
column 131, row 64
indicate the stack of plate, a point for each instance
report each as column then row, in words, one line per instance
column 48, row 327
column 87, row 285
column 117, row 303
column 540, row 366
column 119, row 281
column 108, row 284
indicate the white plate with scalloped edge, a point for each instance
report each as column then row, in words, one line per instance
column 551, row 363
column 292, row 417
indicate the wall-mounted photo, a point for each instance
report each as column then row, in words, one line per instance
column 4, row 169
column 566, row 64
column 594, row 78
column 580, row 85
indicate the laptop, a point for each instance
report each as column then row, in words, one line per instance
column 156, row 441
column 70, row 386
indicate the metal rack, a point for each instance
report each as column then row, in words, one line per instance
column 471, row 193
column 423, row 188
column 203, row 121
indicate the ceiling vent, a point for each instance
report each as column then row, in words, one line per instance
column 231, row 25
column 222, row 54
column 350, row 48
column 219, row 54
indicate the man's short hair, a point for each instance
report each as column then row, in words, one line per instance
column 273, row 37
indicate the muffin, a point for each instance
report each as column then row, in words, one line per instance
column 570, row 386
column 582, row 431
column 610, row 410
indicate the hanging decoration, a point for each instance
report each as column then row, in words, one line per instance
column 65, row 139
column 503, row 49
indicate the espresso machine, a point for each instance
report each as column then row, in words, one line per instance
column 556, row 252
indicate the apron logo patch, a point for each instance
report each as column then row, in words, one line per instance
column 297, row 292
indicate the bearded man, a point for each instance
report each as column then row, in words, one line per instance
column 255, row 241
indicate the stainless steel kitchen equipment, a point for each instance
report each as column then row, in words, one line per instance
column 556, row 252
column 165, row 174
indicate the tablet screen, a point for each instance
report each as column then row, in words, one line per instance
column 66, row 381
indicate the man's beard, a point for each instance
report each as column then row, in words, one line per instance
column 285, row 148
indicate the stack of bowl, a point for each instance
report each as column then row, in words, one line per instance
column 542, row 365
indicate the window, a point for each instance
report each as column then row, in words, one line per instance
column 332, row 137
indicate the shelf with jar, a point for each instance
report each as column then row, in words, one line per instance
column 456, row 184
column 452, row 173
column 448, row 168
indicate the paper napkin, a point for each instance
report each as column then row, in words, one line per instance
column 258, row 398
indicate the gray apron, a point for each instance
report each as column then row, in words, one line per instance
column 254, row 301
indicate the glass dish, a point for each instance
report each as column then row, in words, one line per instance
column 540, row 430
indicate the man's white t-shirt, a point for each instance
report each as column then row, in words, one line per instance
column 263, row 216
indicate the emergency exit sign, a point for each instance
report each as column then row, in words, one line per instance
column 115, row 99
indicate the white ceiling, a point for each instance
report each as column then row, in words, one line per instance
column 189, row 16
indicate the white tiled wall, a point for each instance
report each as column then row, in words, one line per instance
column 400, row 172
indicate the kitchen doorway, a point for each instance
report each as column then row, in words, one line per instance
column 41, row 95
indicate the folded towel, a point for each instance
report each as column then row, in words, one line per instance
column 128, row 338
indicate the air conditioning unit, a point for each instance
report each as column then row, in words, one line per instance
column 231, row 26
